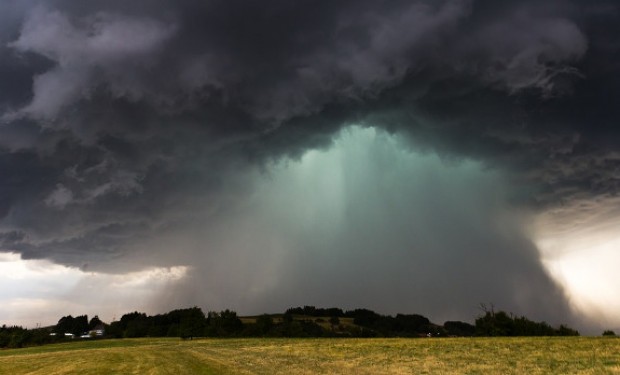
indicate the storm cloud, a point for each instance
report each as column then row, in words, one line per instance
column 213, row 134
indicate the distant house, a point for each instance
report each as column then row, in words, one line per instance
column 97, row 331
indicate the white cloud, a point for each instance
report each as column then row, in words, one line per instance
column 579, row 245
column 40, row 292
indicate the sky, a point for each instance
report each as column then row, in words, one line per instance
column 405, row 156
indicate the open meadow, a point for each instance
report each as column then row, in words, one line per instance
column 543, row 355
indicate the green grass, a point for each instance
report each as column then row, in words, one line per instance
column 571, row 355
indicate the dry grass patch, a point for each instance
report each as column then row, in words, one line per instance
column 574, row 355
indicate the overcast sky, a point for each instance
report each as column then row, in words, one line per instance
column 405, row 156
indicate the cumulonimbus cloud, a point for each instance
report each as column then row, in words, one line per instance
column 125, row 123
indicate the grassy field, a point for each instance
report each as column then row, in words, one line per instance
column 579, row 355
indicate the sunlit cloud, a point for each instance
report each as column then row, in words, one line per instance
column 38, row 292
column 580, row 246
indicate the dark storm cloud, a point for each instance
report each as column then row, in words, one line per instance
column 125, row 123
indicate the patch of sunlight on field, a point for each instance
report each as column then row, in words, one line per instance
column 141, row 356
column 580, row 355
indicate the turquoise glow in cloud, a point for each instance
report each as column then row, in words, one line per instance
column 370, row 222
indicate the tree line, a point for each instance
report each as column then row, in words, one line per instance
column 306, row 321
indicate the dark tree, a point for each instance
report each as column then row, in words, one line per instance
column 264, row 324
column 459, row 328
column 64, row 325
column 69, row 324
column 134, row 324
column 224, row 323
column 501, row 324
column 94, row 322
column 192, row 323
column 363, row 317
column 334, row 321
